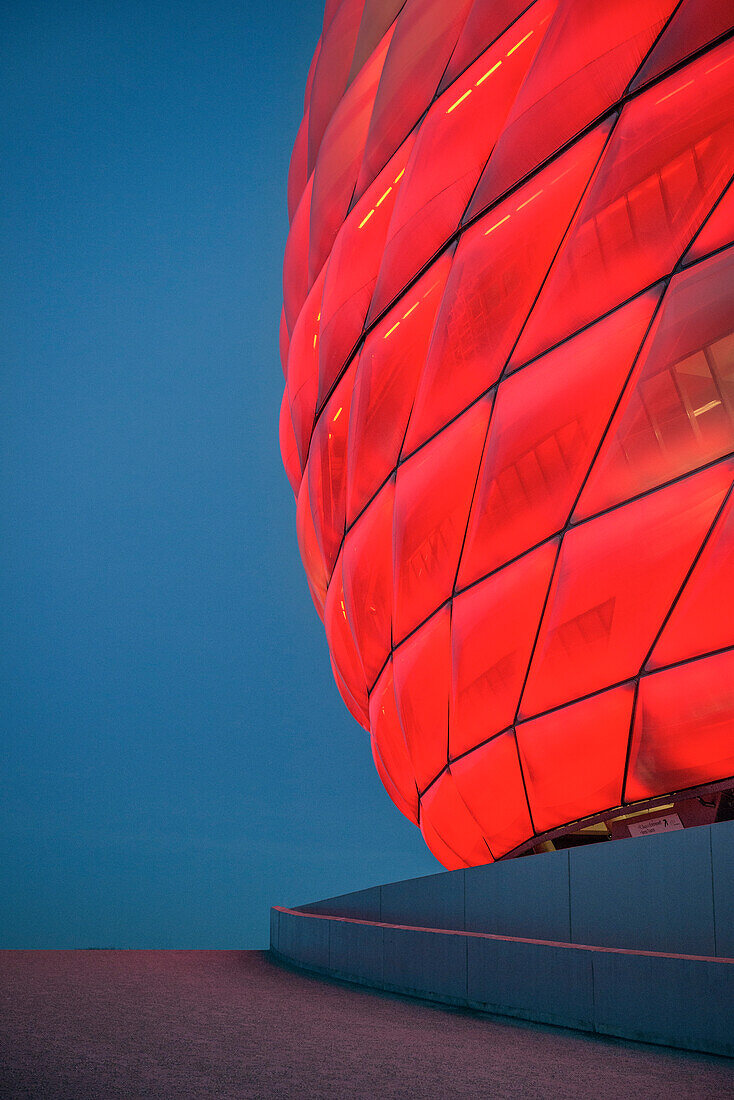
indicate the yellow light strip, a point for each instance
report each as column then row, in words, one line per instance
column 383, row 197
column 337, row 414
column 519, row 44
column 399, row 176
column 458, row 101
column 530, row 199
column 488, row 73
column 315, row 338
column 366, row 218
column 390, row 331
column 414, row 306
column 497, row 224
column 674, row 92
column 706, row 408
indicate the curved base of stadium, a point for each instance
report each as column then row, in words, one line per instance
column 632, row 938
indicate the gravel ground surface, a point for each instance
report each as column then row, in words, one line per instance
column 231, row 1024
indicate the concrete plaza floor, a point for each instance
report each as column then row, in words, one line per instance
column 87, row 1025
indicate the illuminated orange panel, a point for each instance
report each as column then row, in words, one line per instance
column 615, row 579
column 508, row 340
column 683, row 728
column 573, row 758
column 492, row 629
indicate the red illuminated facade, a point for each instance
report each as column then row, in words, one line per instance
column 508, row 419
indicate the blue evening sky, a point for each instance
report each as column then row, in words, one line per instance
column 175, row 754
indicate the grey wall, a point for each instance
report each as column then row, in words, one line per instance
column 667, row 892
column 604, row 912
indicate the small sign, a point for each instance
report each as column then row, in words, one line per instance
column 665, row 824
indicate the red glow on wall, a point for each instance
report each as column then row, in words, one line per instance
column 508, row 419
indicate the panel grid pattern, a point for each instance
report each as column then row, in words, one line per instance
column 508, row 418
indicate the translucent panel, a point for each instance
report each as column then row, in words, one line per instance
column 703, row 618
column 489, row 780
column 667, row 161
column 422, row 670
column 443, row 809
column 308, row 544
column 392, row 790
column 302, row 372
column 451, row 150
column 311, row 75
column 295, row 262
column 327, row 468
column 377, row 17
column 573, row 758
column 499, row 266
column 545, row 427
column 352, row 270
column 368, row 581
column 297, row 176
column 389, row 740
column 487, row 20
column 677, row 412
column 695, row 23
column 425, row 34
column 432, row 501
column 339, row 159
column 493, row 626
column 389, row 367
column 341, row 641
column 288, row 447
column 441, row 850
column 587, row 54
column 615, row 580
column 718, row 230
column 683, row 728
column 284, row 341
column 332, row 69
column 357, row 712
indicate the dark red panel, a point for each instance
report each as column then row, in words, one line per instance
column 489, row 780
column 422, row 670
column 677, row 412
column 492, row 629
column 717, row 231
column 308, row 544
column 302, row 372
column 694, row 23
column 546, row 424
column 667, row 161
column 332, row 68
column 368, row 581
column 341, row 641
column 297, row 177
column 384, row 389
column 288, row 446
column 497, row 271
column 616, row 577
column 703, row 618
column 444, row 811
column 340, row 156
column 326, row 470
column 573, row 758
column 432, row 501
column 683, row 728
column 425, row 34
column 586, row 56
column 295, row 264
column 389, row 741
column 487, row 20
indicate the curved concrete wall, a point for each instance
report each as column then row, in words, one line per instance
column 629, row 938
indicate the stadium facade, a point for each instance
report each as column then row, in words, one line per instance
column 508, row 418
